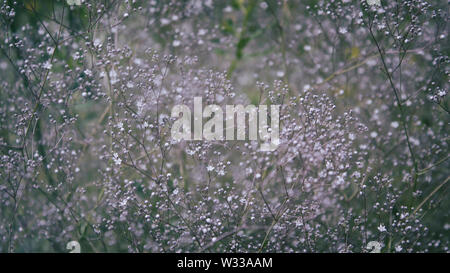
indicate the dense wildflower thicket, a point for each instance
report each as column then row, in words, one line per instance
column 86, row 154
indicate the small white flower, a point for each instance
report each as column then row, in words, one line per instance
column 113, row 76
column 120, row 126
column 50, row 50
column 394, row 124
column 116, row 159
column 342, row 30
column 210, row 168
column 398, row 248
column 228, row 9
column 176, row 43
column 382, row 228
column 165, row 21
column 97, row 42
column 48, row 65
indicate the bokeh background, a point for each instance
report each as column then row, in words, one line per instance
column 86, row 90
